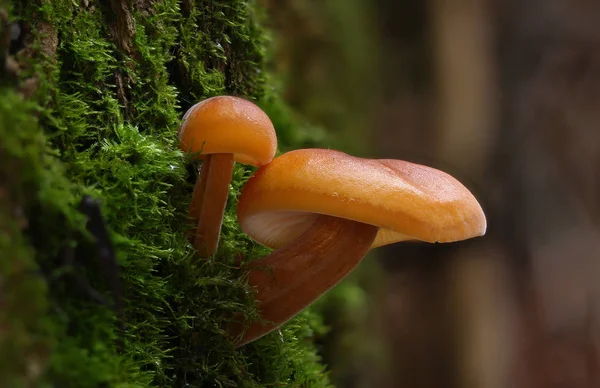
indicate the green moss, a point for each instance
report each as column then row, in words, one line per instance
column 102, row 123
column 25, row 337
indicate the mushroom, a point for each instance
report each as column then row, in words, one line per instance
column 323, row 210
column 222, row 129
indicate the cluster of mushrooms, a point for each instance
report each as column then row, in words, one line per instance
column 321, row 210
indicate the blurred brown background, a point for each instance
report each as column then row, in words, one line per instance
column 505, row 96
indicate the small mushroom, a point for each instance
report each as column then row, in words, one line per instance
column 323, row 210
column 222, row 129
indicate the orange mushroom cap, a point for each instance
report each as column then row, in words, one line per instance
column 229, row 125
column 407, row 201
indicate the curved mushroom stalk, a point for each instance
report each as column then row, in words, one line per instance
column 294, row 276
column 388, row 201
column 209, row 200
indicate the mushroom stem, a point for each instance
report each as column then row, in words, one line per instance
column 291, row 278
column 198, row 194
column 210, row 198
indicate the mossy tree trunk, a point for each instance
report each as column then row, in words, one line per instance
column 92, row 93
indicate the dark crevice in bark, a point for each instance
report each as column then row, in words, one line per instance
column 20, row 45
column 122, row 30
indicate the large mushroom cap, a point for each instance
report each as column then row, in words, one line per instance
column 407, row 201
column 229, row 125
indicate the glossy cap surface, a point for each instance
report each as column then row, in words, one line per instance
column 407, row 201
column 229, row 125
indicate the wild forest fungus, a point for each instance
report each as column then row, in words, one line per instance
column 222, row 129
column 323, row 210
